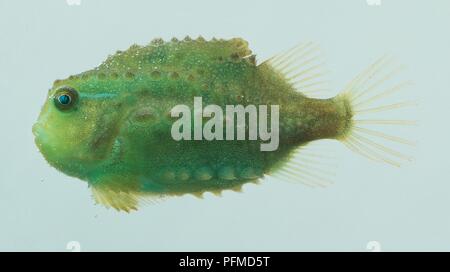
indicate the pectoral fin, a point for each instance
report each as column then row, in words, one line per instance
column 119, row 200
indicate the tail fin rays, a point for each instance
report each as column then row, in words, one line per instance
column 364, row 95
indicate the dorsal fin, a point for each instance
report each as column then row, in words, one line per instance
column 303, row 67
column 160, row 52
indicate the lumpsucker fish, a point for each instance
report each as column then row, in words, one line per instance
column 111, row 126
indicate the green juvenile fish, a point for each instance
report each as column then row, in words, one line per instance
column 111, row 126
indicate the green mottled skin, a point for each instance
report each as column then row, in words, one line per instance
column 117, row 136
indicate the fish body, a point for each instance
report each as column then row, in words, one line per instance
column 111, row 126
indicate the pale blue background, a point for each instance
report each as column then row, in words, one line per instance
column 403, row 209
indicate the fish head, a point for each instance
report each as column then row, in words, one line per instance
column 78, row 125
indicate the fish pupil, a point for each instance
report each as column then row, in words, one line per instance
column 64, row 99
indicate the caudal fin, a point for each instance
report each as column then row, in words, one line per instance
column 369, row 95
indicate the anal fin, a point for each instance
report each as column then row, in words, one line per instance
column 310, row 164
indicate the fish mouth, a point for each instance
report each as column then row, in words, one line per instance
column 36, row 129
column 39, row 134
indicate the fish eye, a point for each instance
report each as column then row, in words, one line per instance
column 65, row 98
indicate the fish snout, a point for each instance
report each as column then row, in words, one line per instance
column 37, row 129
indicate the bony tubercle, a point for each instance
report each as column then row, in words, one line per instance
column 257, row 125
